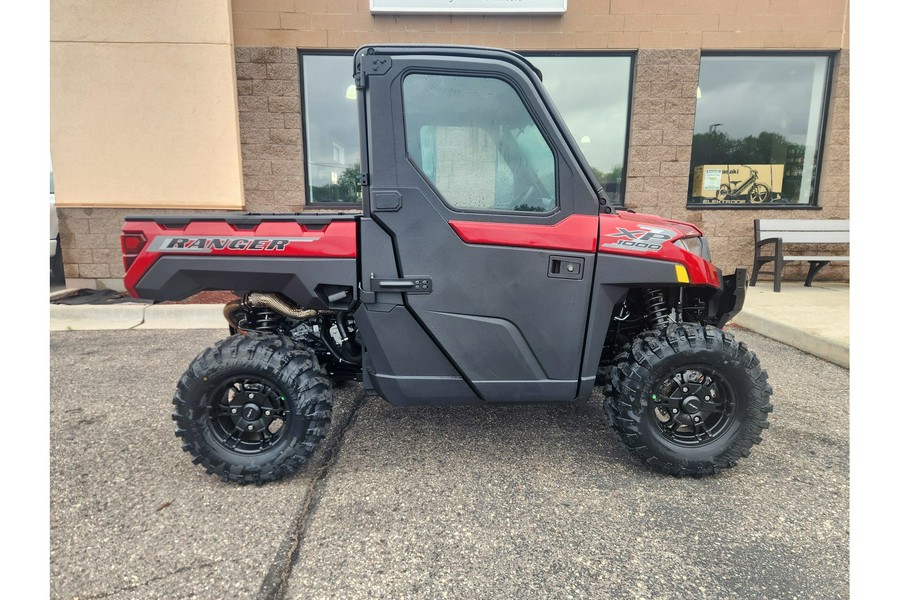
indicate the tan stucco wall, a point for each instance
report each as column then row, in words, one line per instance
column 143, row 104
column 587, row 24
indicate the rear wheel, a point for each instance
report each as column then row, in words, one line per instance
column 689, row 400
column 253, row 408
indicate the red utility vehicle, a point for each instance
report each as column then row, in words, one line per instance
column 487, row 265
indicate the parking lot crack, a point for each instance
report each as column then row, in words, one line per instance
column 275, row 582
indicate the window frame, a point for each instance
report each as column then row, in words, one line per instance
column 631, row 54
column 307, row 191
column 814, row 204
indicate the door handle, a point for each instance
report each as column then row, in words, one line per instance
column 409, row 285
column 566, row 267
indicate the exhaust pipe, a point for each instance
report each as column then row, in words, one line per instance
column 263, row 300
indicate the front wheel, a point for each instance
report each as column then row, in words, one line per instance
column 759, row 193
column 689, row 400
column 253, row 408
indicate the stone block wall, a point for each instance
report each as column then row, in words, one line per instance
column 92, row 250
column 662, row 128
column 268, row 87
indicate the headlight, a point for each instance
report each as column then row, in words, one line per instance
column 695, row 245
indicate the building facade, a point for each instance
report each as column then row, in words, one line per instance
column 715, row 112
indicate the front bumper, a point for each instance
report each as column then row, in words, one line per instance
column 729, row 300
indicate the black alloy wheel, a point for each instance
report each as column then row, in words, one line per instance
column 688, row 400
column 694, row 406
column 253, row 408
column 248, row 415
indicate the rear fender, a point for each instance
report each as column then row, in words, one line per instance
column 309, row 259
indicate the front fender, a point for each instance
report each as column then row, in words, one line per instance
column 729, row 299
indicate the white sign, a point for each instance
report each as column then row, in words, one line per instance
column 712, row 179
column 469, row 7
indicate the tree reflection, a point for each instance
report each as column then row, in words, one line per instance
column 345, row 190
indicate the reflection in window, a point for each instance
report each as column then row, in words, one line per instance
column 758, row 130
column 331, row 129
column 592, row 95
column 475, row 141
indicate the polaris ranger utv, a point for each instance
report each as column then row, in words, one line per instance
column 487, row 266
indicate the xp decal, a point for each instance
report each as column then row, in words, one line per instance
column 645, row 238
column 651, row 237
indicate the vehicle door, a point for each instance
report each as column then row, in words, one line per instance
column 492, row 224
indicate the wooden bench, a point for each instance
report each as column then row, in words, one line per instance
column 778, row 232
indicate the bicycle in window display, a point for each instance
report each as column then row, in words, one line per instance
column 751, row 190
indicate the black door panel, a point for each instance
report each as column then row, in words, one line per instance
column 511, row 326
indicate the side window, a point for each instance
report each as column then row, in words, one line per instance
column 477, row 144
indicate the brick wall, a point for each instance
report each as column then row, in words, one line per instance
column 269, row 113
column 594, row 24
column 92, row 252
column 662, row 128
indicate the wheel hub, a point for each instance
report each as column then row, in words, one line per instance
column 691, row 405
column 252, row 417
column 250, row 411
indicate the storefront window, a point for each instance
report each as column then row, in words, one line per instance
column 330, row 129
column 592, row 93
column 758, row 130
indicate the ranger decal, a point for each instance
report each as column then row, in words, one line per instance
column 206, row 244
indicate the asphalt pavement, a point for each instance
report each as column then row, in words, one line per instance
column 465, row 502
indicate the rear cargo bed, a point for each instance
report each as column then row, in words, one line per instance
column 308, row 258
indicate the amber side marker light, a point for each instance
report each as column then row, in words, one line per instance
column 681, row 274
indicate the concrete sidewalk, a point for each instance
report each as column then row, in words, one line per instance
column 814, row 319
